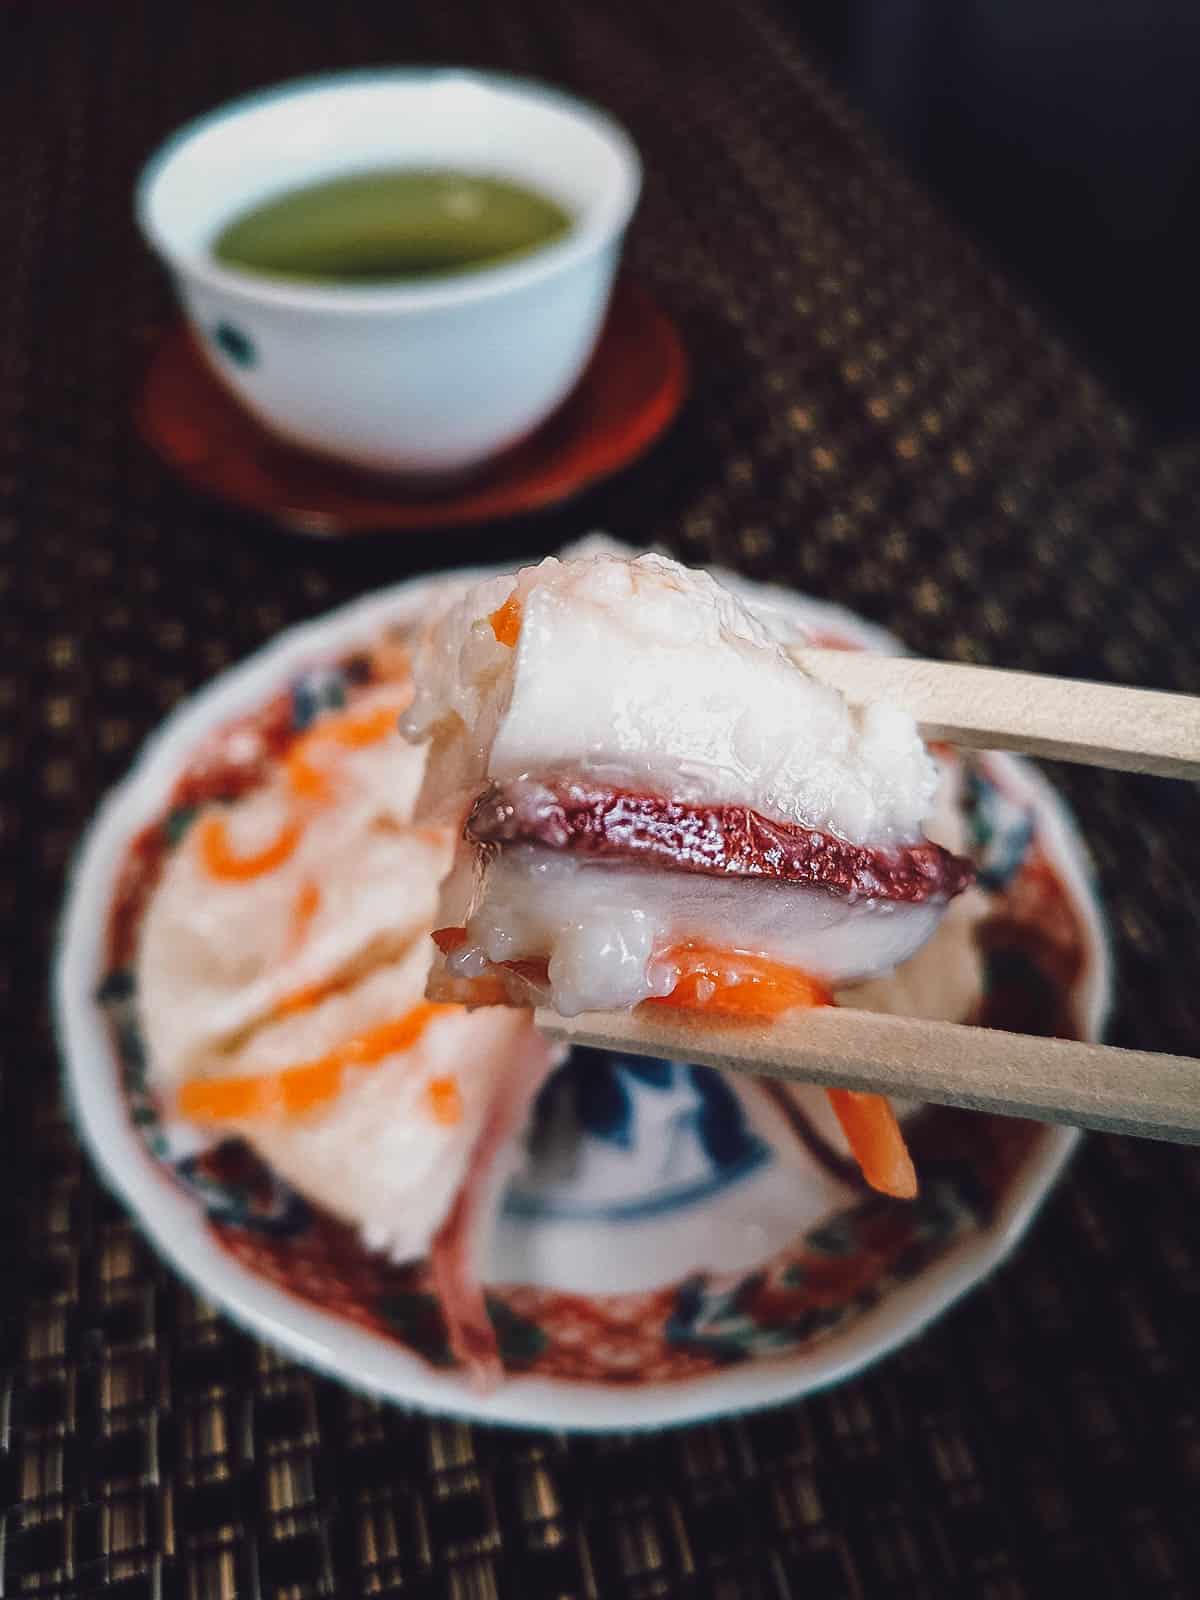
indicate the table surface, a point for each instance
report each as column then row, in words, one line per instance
column 876, row 418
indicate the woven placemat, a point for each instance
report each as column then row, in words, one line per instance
column 876, row 419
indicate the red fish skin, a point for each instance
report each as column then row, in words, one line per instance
column 600, row 823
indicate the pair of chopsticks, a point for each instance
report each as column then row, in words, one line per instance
column 1051, row 1080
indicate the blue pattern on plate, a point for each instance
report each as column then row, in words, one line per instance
column 618, row 1138
column 749, row 1316
column 260, row 1202
column 1001, row 830
column 321, row 689
column 721, row 1321
column 265, row 1205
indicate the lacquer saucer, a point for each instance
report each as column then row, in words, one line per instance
column 630, row 393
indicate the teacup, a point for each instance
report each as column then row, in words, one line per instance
column 426, row 379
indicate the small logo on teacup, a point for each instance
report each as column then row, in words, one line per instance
column 234, row 344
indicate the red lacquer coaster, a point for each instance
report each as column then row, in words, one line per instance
column 631, row 391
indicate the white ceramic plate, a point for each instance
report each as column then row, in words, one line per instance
column 664, row 1256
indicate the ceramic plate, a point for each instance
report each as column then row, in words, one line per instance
column 666, row 1251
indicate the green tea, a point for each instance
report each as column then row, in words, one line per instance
column 396, row 225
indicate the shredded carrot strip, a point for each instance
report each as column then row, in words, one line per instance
column 506, row 621
column 434, row 836
column 448, row 939
column 445, row 1101
column 306, row 779
column 294, row 1090
column 877, row 1141
column 351, row 732
column 305, row 998
column 304, row 908
column 356, row 732
column 221, row 861
column 308, row 902
column 734, row 983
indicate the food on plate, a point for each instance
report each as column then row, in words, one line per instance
column 281, row 968
column 641, row 779
column 653, row 804
column 599, row 783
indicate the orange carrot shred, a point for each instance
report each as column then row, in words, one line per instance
column 351, row 731
column 221, row 861
column 448, row 939
column 506, row 621
column 292, row 1091
column 445, row 1101
column 433, row 836
column 356, row 732
column 876, row 1140
column 304, row 908
column 308, row 901
column 735, row 983
column 304, row 998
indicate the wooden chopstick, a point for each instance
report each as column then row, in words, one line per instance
column 1063, row 719
column 983, row 1069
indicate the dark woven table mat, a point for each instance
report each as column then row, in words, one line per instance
column 876, row 419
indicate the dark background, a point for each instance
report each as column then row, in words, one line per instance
column 878, row 416
column 1066, row 135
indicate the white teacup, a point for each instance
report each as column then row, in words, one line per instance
column 428, row 379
